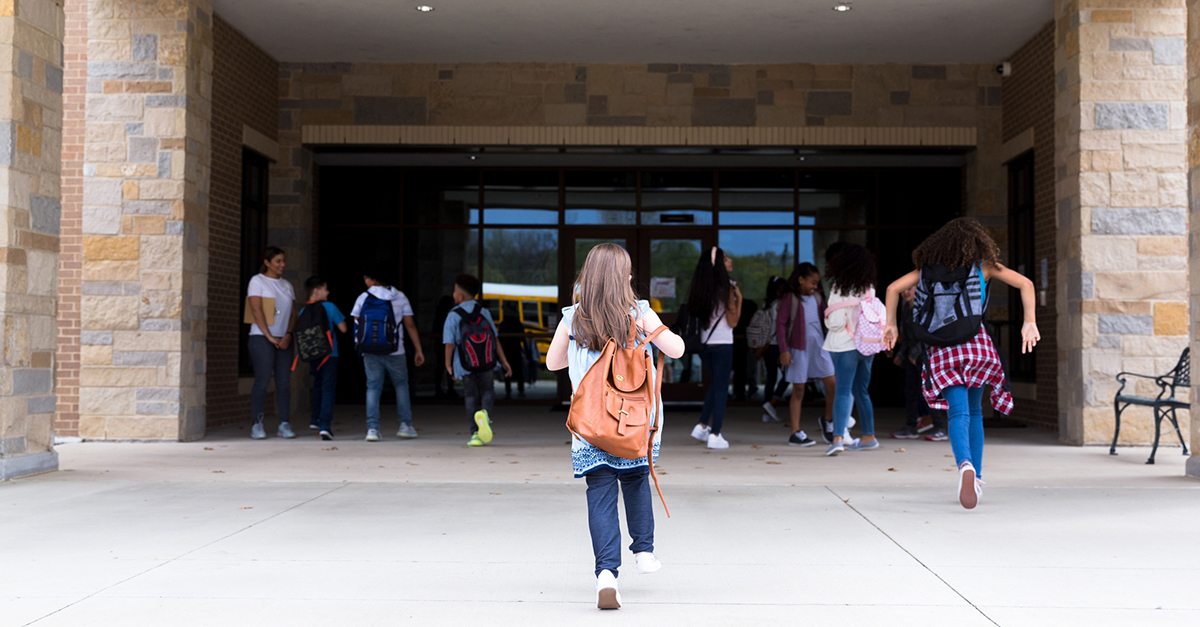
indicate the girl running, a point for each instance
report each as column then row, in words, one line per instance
column 604, row 305
column 956, row 375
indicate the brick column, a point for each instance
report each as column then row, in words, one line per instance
column 31, row 34
column 1121, row 129
column 144, row 219
column 1193, row 55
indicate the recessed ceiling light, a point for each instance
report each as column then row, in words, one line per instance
column 424, row 8
column 842, row 8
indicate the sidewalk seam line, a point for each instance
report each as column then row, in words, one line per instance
column 914, row 557
column 187, row 553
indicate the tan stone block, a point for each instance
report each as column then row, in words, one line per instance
column 1134, row 182
column 366, row 85
column 1170, row 158
column 1153, row 345
column 161, row 304
column 1163, row 245
column 107, row 401
column 1163, row 263
column 143, row 428
column 102, row 313
column 1142, row 199
column 161, row 252
column 1094, row 189
column 148, row 225
column 627, row 105
column 155, row 341
column 1161, row 23
column 165, row 122
column 112, row 248
column 172, row 50
column 665, row 115
column 565, row 114
column 1106, row 161
column 162, row 280
column 110, row 271
column 1132, row 308
column 1141, row 285
column 129, row 191
column 604, row 79
column 118, row 377
column 95, row 355
column 1170, row 318
column 680, row 93
column 161, row 189
column 92, row 427
column 1112, row 16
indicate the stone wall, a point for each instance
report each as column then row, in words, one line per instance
column 1029, row 104
column 31, row 77
column 1121, row 115
column 245, row 94
column 145, row 219
column 1193, row 92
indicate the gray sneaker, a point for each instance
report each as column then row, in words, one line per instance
column 406, row 431
column 257, row 431
column 834, row 449
column 285, row 430
column 372, row 435
column 859, row 445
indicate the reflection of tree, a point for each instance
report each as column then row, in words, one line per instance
column 523, row 256
column 674, row 258
column 752, row 271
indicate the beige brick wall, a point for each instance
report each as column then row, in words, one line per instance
column 144, row 219
column 31, row 32
column 1122, row 205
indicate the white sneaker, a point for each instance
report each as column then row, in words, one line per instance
column 968, row 489
column 700, row 432
column 372, row 435
column 767, row 407
column 717, row 441
column 647, row 563
column 607, row 595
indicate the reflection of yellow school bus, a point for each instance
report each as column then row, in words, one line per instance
column 536, row 306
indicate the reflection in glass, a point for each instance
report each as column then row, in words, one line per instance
column 677, row 198
column 583, row 246
column 757, row 198
column 601, row 197
column 520, row 197
column 672, row 263
column 446, row 197
column 758, row 256
column 520, row 278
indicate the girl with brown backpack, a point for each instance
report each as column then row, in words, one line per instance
column 605, row 322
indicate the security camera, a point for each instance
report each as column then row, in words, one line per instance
column 1004, row 69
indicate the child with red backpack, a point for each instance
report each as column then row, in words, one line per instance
column 473, row 354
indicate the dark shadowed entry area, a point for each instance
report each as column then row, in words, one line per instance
column 526, row 231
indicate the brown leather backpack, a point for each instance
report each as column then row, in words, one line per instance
column 615, row 404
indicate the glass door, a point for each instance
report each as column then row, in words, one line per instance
column 666, row 262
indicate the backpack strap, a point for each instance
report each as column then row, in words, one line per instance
column 658, row 419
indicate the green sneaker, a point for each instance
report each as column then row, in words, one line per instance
column 475, row 441
column 485, row 426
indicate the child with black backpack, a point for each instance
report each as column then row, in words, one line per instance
column 955, row 265
column 472, row 355
column 316, row 344
column 377, row 314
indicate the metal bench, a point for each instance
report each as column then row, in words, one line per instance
column 1164, row 405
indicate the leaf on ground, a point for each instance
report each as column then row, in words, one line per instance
column 893, row 470
column 950, row 456
column 218, row 472
column 409, row 463
column 759, row 459
column 208, row 448
column 755, row 446
column 495, row 494
column 776, row 463
column 901, row 450
column 948, row 469
column 514, row 462
column 332, row 448
column 245, row 508
column 774, row 454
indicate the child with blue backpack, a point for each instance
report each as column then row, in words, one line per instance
column 955, row 266
column 377, row 338
column 472, row 355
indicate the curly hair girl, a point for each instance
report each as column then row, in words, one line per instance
column 852, row 270
column 961, row 242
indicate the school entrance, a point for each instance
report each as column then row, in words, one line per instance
column 524, row 220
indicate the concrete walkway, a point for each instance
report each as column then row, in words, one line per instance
column 228, row 531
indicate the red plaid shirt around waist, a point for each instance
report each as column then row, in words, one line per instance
column 974, row 364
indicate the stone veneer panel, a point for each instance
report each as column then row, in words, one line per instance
column 145, row 219
column 1121, row 113
column 31, row 35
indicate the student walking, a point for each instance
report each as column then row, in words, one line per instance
column 715, row 299
column 324, row 370
column 955, row 267
column 765, row 342
column 605, row 308
column 472, row 356
column 272, row 303
column 801, row 345
column 376, row 314
column 851, row 274
column 910, row 355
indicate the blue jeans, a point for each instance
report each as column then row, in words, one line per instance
column 966, row 424
column 604, row 521
column 853, row 372
column 395, row 366
column 324, row 391
column 268, row 361
column 718, row 359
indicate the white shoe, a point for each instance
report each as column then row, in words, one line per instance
column 767, row 407
column 607, row 595
column 700, row 432
column 968, row 489
column 647, row 563
column 373, row 435
column 717, row 441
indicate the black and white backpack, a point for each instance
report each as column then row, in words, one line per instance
column 949, row 306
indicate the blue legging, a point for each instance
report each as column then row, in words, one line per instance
column 966, row 425
column 718, row 359
column 853, row 372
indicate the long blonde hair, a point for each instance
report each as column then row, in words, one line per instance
column 604, row 297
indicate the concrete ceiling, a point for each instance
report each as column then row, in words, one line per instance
column 638, row 31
